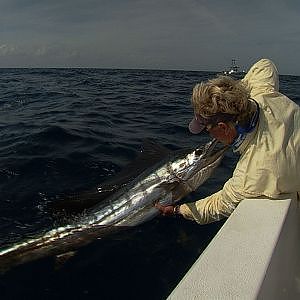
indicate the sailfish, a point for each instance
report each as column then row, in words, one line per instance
column 165, row 176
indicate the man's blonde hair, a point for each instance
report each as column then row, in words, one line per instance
column 222, row 95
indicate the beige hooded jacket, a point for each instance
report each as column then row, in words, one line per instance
column 269, row 166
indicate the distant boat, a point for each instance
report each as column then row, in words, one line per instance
column 234, row 70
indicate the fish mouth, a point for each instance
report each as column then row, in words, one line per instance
column 209, row 147
column 213, row 151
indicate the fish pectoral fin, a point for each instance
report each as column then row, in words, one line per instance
column 61, row 259
column 167, row 200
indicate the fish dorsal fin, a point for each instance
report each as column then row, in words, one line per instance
column 153, row 151
column 61, row 259
column 150, row 154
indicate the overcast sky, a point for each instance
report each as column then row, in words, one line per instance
column 156, row 34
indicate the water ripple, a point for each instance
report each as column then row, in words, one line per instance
column 68, row 130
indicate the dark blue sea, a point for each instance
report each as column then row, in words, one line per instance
column 66, row 131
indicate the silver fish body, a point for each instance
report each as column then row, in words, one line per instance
column 166, row 182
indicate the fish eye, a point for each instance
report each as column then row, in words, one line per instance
column 199, row 151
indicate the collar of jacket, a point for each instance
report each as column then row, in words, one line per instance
column 246, row 134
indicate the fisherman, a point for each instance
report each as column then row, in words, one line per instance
column 258, row 122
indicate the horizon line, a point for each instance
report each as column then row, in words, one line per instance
column 119, row 68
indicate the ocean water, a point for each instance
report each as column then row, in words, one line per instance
column 68, row 130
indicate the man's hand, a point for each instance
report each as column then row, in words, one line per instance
column 165, row 210
column 168, row 210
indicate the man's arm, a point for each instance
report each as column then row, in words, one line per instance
column 262, row 78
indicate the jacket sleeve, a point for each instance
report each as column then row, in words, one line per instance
column 214, row 207
column 219, row 205
column 262, row 78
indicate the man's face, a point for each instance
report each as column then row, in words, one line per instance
column 223, row 132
